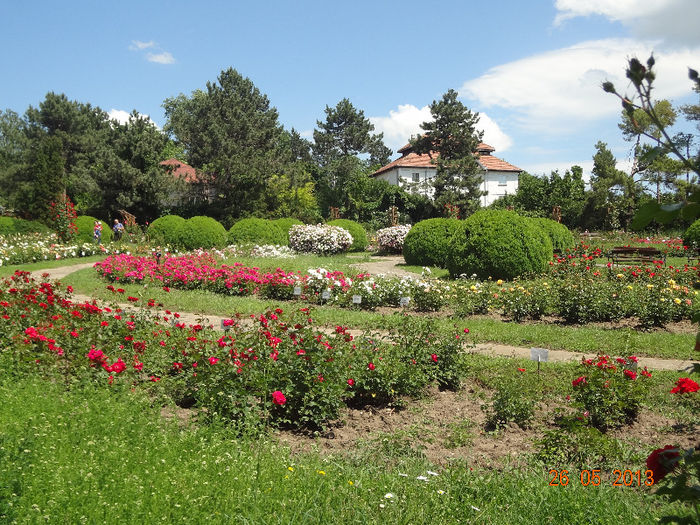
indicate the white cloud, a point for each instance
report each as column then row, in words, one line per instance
column 137, row 45
column 674, row 21
column 160, row 58
column 405, row 121
column 119, row 115
column 557, row 91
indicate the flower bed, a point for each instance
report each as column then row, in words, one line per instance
column 27, row 248
column 275, row 368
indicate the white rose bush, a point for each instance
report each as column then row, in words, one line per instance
column 320, row 239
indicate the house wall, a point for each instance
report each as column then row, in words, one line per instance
column 496, row 183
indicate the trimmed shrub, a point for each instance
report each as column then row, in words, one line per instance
column 427, row 244
column 285, row 223
column 498, row 244
column 256, row 231
column 691, row 237
column 359, row 235
column 391, row 239
column 562, row 239
column 86, row 229
column 321, row 239
column 164, row 229
column 13, row 225
column 201, row 232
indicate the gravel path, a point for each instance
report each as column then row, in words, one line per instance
column 386, row 265
column 389, row 264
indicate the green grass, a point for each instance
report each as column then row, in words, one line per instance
column 621, row 341
column 92, row 455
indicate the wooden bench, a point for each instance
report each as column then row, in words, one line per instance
column 626, row 255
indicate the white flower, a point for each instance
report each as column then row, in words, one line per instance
column 388, row 495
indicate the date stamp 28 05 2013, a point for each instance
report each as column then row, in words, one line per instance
column 592, row 478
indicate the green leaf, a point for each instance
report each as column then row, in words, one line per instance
column 691, row 210
column 649, row 156
column 645, row 215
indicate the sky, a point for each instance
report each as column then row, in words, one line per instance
column 531, row 69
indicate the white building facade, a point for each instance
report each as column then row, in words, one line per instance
column 415, row 173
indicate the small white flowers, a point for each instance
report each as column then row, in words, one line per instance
column 321, row 239
column 388, row 495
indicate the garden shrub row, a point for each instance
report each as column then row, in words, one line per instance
column 15, row 225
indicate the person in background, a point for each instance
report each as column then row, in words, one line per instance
column 97, row 232
column 118, row 230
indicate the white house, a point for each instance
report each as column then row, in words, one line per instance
column 416, row 171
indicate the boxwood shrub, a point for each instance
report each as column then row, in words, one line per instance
column 86, row 229
column 164, row 229
column 562, row 239
column 13, row 225
column 498, row 244
column 257, row 231
column 427, row 243
column 285, row 223
column 359, row 235
column 691, row 237
column 201, row 232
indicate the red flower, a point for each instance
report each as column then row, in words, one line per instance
column 278, row 398
column 132, row 299
column 521, row 370
column 577, row 382
column 213, row 360
column 685, row 385
column 351, row 382
column 370, row 366
column 646, row 372
column 433, row 357
column 660, row 460
column 632, row 375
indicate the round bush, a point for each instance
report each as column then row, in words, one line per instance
column 691, row 237
column 391, row 239
column 498, row 244
column 562, row 239
column 256, row 231
column 359, row 235
column 86, row 229
column 285, row 223
column 427, row 243
column 13, row 225
column 201, row 232
column 164, row 229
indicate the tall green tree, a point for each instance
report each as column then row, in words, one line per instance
column 344, row 149
column 232, row 133
column 451, row 139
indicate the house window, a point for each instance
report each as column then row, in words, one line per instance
column 502, row 180
column 416, row 177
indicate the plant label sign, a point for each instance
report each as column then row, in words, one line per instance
column 356, row 299
column 404, row 301
column 325, row 295
column 541, row 355
column 297, row 290
column 631, row 365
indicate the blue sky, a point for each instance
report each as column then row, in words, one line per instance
column 532, row 69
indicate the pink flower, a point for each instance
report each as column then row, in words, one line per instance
column 213, row 360
column 370, row 366
column 351, row 382
column 278, row 398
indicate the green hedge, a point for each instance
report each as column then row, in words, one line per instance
column 86, row 229
column 15, row 225
column 285, row 223
column 428, row 242
column 164, row 229
column 562, row 239
column 201, row 232
column 498, row 244
column 359, row 235
column 257, row 231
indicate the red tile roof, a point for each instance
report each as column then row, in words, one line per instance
column 181, row 170
column 413, row 160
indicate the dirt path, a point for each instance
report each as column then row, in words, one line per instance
column 489, row 349
column 387, row 265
